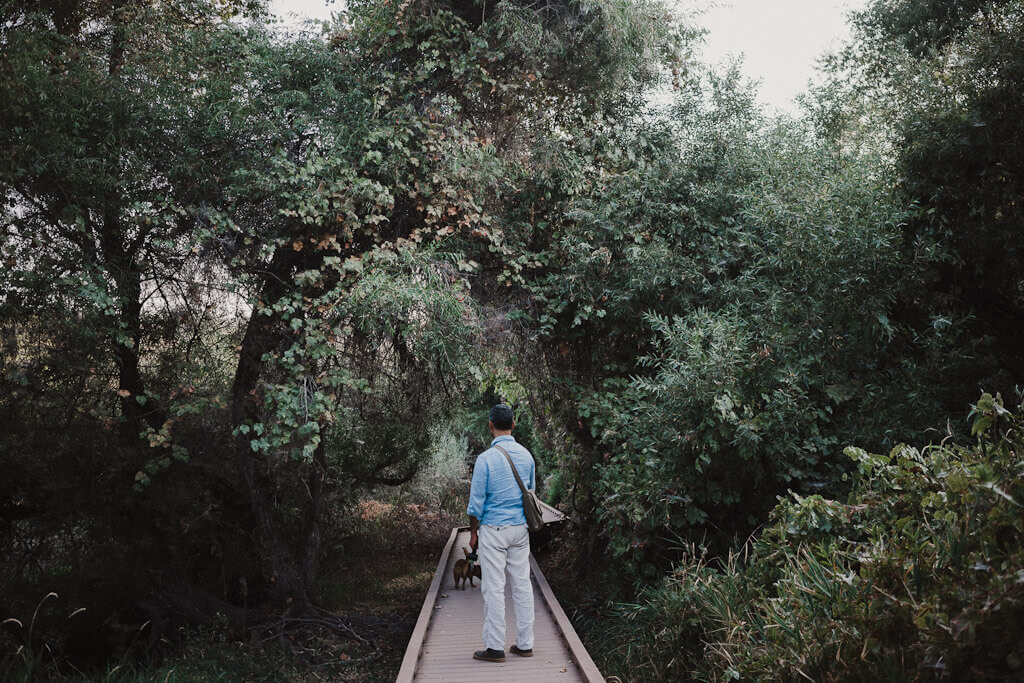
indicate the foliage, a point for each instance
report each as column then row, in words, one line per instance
column 943, row 82
column 752, row 390
column 238, row 268
column 719, row 300
column 441, row 484
column 741, row 277
column 917, row 574
column 249, row 276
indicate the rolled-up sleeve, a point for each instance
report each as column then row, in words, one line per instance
column 478, row 489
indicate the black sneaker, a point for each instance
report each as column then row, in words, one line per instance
column 522, row 653
column 490, row 655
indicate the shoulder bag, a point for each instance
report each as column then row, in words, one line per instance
column 538, row 513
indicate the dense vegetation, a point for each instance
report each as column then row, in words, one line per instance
column 917, row 574
column 252, row 279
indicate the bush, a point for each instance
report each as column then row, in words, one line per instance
column 784, row 353
column 919, row 574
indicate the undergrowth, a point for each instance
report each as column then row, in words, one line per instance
column 370, row 592
column 918, row 575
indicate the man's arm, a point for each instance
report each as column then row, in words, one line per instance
column 477, row 496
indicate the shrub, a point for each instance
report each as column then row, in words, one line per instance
column 919, row 574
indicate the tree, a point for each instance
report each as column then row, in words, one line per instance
column 258, row 248
column 712, row 299
column 946, row 82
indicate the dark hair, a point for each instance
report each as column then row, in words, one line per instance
column 501, row 416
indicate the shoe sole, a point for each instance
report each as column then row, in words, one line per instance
column 523, row 654
column 489, row 659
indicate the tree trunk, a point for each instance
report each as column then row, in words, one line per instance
column 314, row 519
column 120, row 262
column 286, row 575
column 127, row 338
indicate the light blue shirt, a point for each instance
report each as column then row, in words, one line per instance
column 494, row 497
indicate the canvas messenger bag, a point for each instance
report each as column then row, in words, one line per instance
column 538, row 513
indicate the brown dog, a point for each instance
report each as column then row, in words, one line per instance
column 463, row 570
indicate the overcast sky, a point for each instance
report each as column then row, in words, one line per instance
column 779, row 39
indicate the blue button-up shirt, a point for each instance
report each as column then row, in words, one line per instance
column 495, row 497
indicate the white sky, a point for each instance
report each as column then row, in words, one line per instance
column 778, row 39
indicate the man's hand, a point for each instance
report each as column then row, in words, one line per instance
column 474, row 524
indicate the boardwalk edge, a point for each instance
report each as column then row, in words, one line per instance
column 412, row 652
column 583, row 660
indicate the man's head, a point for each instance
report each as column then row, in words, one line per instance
column 501, row 418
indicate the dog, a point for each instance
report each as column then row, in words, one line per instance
column 466, row 569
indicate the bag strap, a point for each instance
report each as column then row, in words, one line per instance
column 512, row 465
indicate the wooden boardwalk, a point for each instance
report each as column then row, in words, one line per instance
column 448, row 631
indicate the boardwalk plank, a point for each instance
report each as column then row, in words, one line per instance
column 450, row 625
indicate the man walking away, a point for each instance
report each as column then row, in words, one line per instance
column 497, row 525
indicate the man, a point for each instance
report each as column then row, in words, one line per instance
column 497, row 525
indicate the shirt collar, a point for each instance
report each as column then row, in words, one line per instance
column 503, row 437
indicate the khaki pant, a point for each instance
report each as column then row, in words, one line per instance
column 506, row 548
